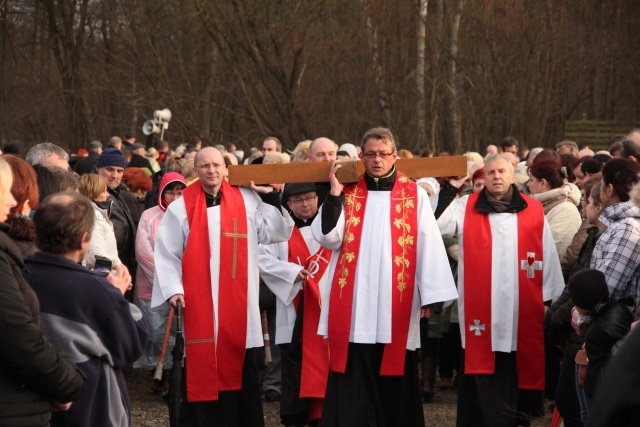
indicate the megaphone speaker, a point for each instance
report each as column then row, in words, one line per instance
column 162, row 115
column 150, row 127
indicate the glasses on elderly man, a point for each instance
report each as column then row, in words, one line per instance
column 299, row 201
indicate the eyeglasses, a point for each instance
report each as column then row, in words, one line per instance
column 301, row 201
column 373, row 155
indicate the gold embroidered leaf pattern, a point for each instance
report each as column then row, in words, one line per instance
column 358, row 206
column 408, row 204
column 403, row 179
column 349, row 237
column 398, row 222
column 342, row 282
column 354, row 221
column 398, row 208
column 398, row 260
column 349, row 256
column 408, row 240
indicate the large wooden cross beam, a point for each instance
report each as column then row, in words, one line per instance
column 350, row 171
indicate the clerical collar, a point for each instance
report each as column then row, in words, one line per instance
column 488, row 204
column 384, row 183
column 300, row 223
column 212, row 200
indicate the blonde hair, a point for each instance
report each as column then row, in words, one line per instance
column 405, row 154
column 301, row 152
column 6, row 178
column 92, row 185
column 274, row 157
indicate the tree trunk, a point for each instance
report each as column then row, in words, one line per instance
column 372, row 41
column 420, row 65
column 453, row 140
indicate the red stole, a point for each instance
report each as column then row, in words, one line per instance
column 203, row 351
column 404, row 229
column 479, row 356
column 315, row 351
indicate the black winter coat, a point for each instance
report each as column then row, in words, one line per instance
column 32, row 372
column 610, row 324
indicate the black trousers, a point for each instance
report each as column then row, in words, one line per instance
column 495, row 400
column 241, row 408
column 362, row 397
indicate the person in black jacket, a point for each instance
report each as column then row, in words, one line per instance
column 34, row 377
column 110, row 165
column 608, row 320
column 84, row 313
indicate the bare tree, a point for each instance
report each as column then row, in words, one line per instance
column 420, row 67
column 372, row 41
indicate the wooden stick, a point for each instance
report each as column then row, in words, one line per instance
column 157, row 375
column 267, row 341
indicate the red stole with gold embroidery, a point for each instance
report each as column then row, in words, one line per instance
column 215, row 364
column 404, row 228
column 477, row 247
column 315, row 351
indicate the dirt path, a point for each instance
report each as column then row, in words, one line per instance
column 150, row 410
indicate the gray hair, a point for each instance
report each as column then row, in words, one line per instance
column 95, row 145
column 40, row 152
column 495, row 157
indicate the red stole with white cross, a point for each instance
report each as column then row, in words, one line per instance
column 477, row 247
column 215, row 364
column 404, row 231
column 315, row 351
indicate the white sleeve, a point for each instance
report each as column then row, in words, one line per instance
column 333, row 239
column 170, row 243
column 278, row 275
column 553, row 281
column 433, row 272
column 272, row 225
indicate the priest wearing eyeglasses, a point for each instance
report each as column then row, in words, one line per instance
column 388, row 268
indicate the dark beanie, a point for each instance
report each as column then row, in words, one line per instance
column 588, row 288
column 111, row 157
column 301, row 188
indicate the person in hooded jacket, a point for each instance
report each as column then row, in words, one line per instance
column 170, row 189
column 559, row 200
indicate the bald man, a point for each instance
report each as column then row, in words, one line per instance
column 221, row 376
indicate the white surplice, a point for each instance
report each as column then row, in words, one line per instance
column 504, row 271
column 265, row 224
column 280, row 276
column 371, row 315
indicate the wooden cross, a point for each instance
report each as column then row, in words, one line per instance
column 235, row 236
column 351, row 170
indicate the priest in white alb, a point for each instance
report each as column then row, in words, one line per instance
column 295, row 272
column 507, row 268
column 206, row 260
column 388, row 268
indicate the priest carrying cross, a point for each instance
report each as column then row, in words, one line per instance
column 388, row 261
column 206, row 260
column 508, row 266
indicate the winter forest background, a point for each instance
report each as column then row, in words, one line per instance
column 444, row 74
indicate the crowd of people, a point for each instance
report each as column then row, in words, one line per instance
column 514, row 283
